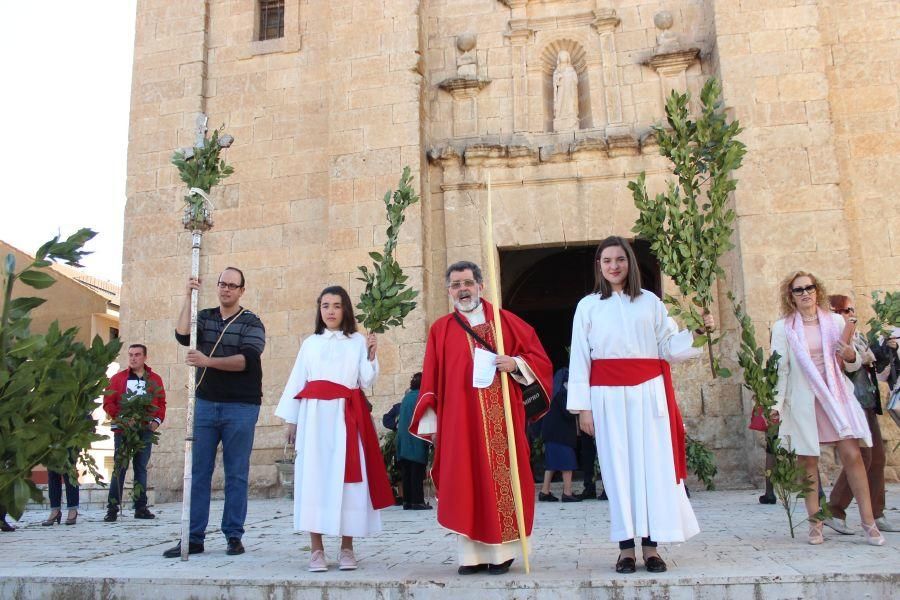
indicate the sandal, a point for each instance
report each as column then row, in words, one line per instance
column 625, row 564
column 815, row 533
column 873, row 536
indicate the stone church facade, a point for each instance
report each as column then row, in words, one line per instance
column 327, row 113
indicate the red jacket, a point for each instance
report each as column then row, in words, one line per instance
column 118, row 385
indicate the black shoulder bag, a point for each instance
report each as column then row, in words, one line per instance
column 533, row 396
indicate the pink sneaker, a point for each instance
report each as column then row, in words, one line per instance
column 317, row 562
column 347, row 562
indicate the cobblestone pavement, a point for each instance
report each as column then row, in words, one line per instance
column 741, row 542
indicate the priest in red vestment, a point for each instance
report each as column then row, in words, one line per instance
column 466, row 424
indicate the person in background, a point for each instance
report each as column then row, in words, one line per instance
column 814, row 400
column 865, row 388
column 558, row 429
column 412, row 452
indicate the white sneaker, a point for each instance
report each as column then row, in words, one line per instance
column 317, row 563
column 885, row 525
column 346, row 561
column 839, row 525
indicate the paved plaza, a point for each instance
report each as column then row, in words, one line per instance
column 743, row 551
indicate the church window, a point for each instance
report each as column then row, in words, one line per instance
column 271, row 19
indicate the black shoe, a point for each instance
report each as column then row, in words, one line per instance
column 6, row 527
column 112, row 514
column 143, row 513
column 588, row 494
column 471, row 569
column 499, row 569
column 655, row 564
column 234, row 546
column 568, row 498
column 407, row 506
column 625, row 564
column 603, row 496
column 175, row 551
column 542, row 497
column 767, row 499
column 423, row 506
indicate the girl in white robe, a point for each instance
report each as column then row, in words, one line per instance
column 323, row 502
column 632, row 424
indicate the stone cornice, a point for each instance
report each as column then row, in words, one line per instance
column 675, row 61
column 464, row 87
column 516, row 153
column 514, row 3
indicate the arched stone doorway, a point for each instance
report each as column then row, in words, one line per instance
column 544, row 285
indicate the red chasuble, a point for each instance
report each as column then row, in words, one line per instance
column 471, row 461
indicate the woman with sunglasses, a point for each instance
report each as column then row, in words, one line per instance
column 814, row 399
column 865, row 388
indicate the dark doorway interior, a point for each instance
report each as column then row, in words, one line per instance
column 543, row 286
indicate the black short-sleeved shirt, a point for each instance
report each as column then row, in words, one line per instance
column 246, row 336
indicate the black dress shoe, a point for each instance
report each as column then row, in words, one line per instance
column 175, row 551
column 767, row 499
column 499, row 569
column 625, row 564
column 112, row 514
column 471, row 569
column 6, row 527
column 569, row 498
column 603, row 496
column 542, row 497
column 423, row 506
column 143, row 513
column 655, row 564
column 234, row 546
column 588, row 495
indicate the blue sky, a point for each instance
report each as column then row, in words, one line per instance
column 63, row 146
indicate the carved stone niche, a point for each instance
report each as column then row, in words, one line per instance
column 465, row 86
column 550, row 61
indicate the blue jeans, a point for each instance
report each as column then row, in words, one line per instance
column 233, row 424
column 139, row 463
column 54, row 488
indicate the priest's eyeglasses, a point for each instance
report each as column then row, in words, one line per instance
column 799, row 291
column 455, row 285
column 231, row 286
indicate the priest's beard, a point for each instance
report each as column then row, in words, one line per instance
column 469, row 303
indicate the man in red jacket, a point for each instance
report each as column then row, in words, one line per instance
column 138, row 378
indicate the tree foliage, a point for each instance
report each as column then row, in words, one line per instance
column 202, row 168
column 701, row 461
column 887, row 314
column 387, row 299
column 690, row 226
column 48, row 383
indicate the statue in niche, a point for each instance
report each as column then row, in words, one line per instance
column 565, row 94
column 466, row 62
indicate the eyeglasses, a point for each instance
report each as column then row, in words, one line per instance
column 799, row 291
column 455, row 285
column 845, row 311
column 231, row 286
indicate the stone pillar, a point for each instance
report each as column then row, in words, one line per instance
column 465, row 103
column 519, row 36
column 671, row 67
column 605, row 24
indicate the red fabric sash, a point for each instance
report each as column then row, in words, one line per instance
column 359, row 427
column 635, row 371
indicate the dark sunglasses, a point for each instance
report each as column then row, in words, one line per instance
column 799, row 291
column 845, row 311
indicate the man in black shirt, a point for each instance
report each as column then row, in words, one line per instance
column 230, row 340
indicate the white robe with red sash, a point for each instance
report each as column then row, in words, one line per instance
column 471, row 464
column 631, row 423
column 323, row 501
